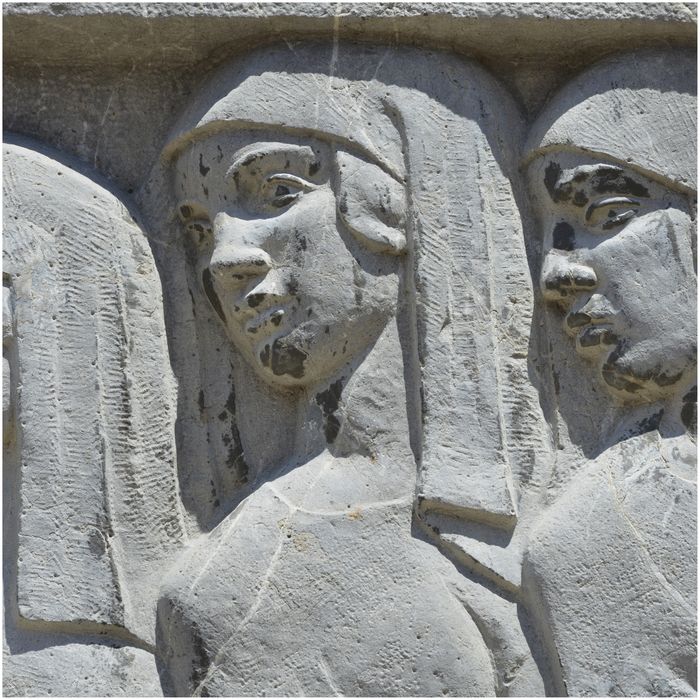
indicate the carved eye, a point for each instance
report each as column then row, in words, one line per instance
column 283, row 189
column 196, row 221
column 200, row 231
column 611, row 213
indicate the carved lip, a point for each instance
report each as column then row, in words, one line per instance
column 272, row 316
column 595, row 335
column 576, row 321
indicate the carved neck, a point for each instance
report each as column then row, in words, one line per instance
column 672, row 418
column 356, row 418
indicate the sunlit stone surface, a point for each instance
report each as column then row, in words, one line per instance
column 349, row 350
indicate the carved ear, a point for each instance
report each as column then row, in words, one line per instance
column 372, row 204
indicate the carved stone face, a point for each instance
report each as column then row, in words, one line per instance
column 298, row 294
column 618, row 261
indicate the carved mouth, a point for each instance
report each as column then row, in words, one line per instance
column 594, row 335
column 270, row 318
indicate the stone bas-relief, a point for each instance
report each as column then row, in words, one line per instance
column 301, row 245
column 612, row 564
column 396, row 473
column 91, row 508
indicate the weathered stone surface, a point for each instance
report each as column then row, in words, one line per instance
column 383, row 380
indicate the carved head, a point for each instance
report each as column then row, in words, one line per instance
column 331, row 186
column 296, row 242
column 618, row 221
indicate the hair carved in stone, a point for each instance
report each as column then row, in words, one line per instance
column 339, row 224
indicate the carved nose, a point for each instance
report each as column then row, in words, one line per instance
column 561, row 278
column 232, row 263
column 238, row 254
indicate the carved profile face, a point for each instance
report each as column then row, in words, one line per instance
column 618, row 262
column 295, row 246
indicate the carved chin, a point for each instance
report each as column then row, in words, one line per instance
column 639, row 375
column 284, row 359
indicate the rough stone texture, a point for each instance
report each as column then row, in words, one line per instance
column 350, row 349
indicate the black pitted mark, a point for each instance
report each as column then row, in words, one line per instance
column 231, row 402
column 205, row 190
column 552, row 174
column 220, row 157
column 223, row 415
column 236, row 457
column 329, row 400
column 276, row 320
column 302, row 243
column 255, row 299
column 580, row 199
column 563, row 236
column 327, row 330
column 611, row 179
column 203, row 170
column 287, row 359
column 651, row 422
column 689, row 411
column 313, row 167
column 186, row 211
column 211, row 294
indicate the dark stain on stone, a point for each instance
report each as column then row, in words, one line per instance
column 293, row 285
column 223, row 415
column 276, row 320
column 563, row 236
column 220, row 157
column 580, row 199
column 265, row 356
column 314, row 167
column 235, row 460
column 203, row 170
column 211, row 294
column 186, row 211
column 287, row 359
column 343, row 205
column 552, row 174
column 201, row 660
column 255, row 299
column 327, row 330
column 302, row 243
column 200, row 400
column 231, row 402
column 689, row 412
column 205, row 190
column 329, row 400
column 650, row 423
column 611, row 179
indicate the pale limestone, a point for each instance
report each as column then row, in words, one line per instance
column 383, row 381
